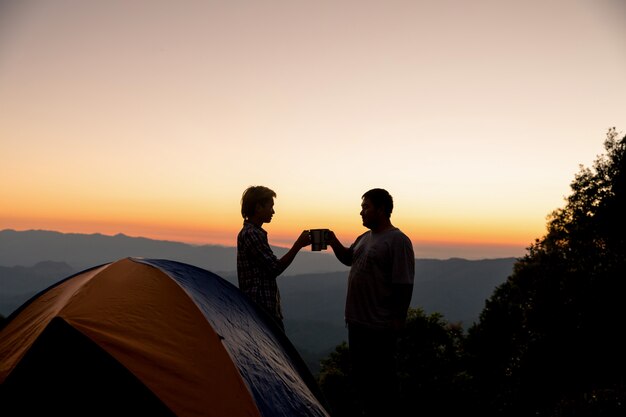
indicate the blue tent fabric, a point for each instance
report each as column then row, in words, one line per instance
column 101, row 342
column 275, row 374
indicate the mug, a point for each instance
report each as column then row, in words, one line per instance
column 319, row 239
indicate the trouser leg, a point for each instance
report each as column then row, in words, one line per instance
column 372, row 352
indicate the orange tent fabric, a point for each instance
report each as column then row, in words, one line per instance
column 143, row 335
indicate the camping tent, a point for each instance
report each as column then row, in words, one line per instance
column 150, row 337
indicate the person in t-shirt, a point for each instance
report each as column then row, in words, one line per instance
column 380, row 286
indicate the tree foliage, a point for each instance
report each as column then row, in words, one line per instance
column 549, row 341
column 550, row 337
column 429, row 364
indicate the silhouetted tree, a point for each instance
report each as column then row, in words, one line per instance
column 336, row 383
column 549, row 340
column 430, row 370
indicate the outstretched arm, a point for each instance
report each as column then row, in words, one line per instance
column 303, row 240
column 343, row 254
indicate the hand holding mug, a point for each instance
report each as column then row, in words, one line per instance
column 304, row 239
column 319, row 239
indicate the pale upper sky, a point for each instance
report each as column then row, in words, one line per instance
column 151, row 117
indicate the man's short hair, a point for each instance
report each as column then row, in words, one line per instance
column 380, row 198
column 253, row 195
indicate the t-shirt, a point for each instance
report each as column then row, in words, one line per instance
column 379, row 260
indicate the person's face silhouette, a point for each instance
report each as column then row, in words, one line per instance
column 266, row 211
column 369, row 214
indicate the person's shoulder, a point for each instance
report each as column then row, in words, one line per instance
column 363, row 235
column 395, row 231
column 361, row 238
column 250, row 229
column 400, row 235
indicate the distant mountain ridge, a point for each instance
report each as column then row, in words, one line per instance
column 19, row 283
column 313, row 294
column 81, row 251
column 32, row 260
column 21, row 279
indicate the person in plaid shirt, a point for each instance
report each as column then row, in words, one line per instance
column 257, row 266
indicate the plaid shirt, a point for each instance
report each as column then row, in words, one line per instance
column 258, row 268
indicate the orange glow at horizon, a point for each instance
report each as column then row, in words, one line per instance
column 223, row 231
column 122, row 117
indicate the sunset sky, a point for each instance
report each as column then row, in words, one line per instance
column 151, row 117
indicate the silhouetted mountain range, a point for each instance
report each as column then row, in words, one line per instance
column 313, row 289
column 81, row 251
